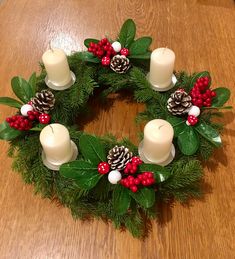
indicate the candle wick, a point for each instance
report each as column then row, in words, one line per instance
column 51, row 49
column 160, row 126
column 51, row 129
column 164, row 50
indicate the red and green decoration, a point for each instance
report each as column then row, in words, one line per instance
column 191, row 111
column 33, row 108
column 119, row 54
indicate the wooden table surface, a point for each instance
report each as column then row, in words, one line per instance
column 202, row 34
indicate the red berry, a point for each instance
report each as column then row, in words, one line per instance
column 144, row 182
column 140, row 176
column 213, row 94
column 8, row 120
column 90, row 49
column 192, row 120
column 128, row 166
column 137, row 181
column 150, row 174
column 134, row 188
column 148, row 182
column 126, row 171
column 103, row 167
column 44, row 118
column 105, row 61
column 124, row 51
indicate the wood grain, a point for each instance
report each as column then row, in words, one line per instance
column 202, row 34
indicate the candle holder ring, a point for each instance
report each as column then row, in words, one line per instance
column 56, row 167
column 163, row 89
column 157, row 162
column 54, row 86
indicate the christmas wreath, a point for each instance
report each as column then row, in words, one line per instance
column 108, row 180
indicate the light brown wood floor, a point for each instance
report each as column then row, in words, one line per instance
column 202, row 34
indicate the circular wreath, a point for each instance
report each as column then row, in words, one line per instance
column 79, row 185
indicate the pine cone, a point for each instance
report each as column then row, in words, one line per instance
column 118, row 157
column 179, row 102
column 43, row 102
column 120, row 64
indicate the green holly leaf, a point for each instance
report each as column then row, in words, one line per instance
column 161, row 174
column 127, row 33
column 22, row 89
column 195, row 76
column 87, row 41
column 88, row 57
column 92, row 149
column 85, row 173
column 209, row 133
column 178, row 124
column 8, row 133
column 10, row 102
column 145, row 197
column 222, row 96
column 188, row 141
column 141, row 56
column 140, row 46
column 32, row 82
column 121, row 199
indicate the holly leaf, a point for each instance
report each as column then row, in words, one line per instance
column 121, row 199
column 145, row 197
column 85, row 173
column 10, row 102
column 141, row 56
column 88, row 57
column 188, row 141
column 92, row 149
column 127, row 33
column 195, row 76
column 87, row 41
column 178, row 124
column 209, row 133
column 22, row 89
column 32, row 82
column 222, row 96
column 140, row 46
column 161, row 174
column 8, row 133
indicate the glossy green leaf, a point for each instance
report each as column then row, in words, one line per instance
column 92, row 149
column 85, row 174
column 199, row 75
column 121, row 199
column 127, row 33
column 21, row 89
column 88, row 57
column 32, row 82
column 141, row 56
column 222, row 96
column 161, row 174
column 87, row 41
column 10, row 102
column 140, row 46
column 178, row 124
column 8, row 133
column 144, row 196
column 209, row 133
column 188, row 141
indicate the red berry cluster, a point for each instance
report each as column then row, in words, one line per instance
column 131, row 182
column 33, row 115
column 201, row 95
column 103, row 50
column 19, row 122
column 132, row 166
column 103, row 168
column 192, row 120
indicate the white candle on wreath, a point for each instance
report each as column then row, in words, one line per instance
column 157, row 142
column 161, row 67
column 57, row 67
column 56, row 143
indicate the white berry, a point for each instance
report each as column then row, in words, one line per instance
column 25, row 109
column 116, row 46
column 114, row 177
column 194, row 110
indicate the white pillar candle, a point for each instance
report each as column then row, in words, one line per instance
column 158, row 136
column 161, row 67
column 56, row 143
column 57, row 67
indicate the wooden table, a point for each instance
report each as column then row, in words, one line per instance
column 202, row 34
